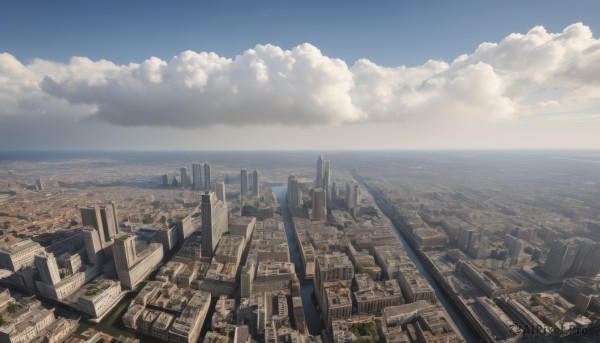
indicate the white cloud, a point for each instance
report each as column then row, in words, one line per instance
column 523, row 75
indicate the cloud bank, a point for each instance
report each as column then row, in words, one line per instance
column 551, row 75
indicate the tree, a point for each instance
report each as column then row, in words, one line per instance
column 147, row 219
column 13, row 307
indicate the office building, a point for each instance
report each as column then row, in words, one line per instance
column 103, row 219
column 327, row 179
column 134, row 266
column 197, row 174
column 48, row 268
column 93, row 248
column 207, row 177
column 319, row 178
column 165, row 180
column 244, row 182
column 255, row 183
column 352, row 195
column 98, row 297
column 514, row 245
column 331, row 267
column 560, row 258
column 220, row 190
column 587, row 260
column 124, row 252
column 39, row 184
column 214, row 222
column 183, row 177
column 337, row 302
column 319, row 205
column 19, row 255
column 293, row 192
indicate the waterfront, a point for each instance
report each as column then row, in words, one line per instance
column 113, row 325
column 311, row 313
column 463, row 326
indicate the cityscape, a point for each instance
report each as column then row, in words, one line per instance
column 348, row 247
column 307, row 171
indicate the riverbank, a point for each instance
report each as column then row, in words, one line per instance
column 452, row 305
column 311, row 312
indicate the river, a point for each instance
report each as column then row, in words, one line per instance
column 463, row 326
column 312, row 314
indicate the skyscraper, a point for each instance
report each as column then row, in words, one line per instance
column 514, row 245
column 560, row 258
column 103, row 219
column 214, row 222
column 165, row 180
column 108, row 215
column 327, row 179
column 319, row 203
column 319, row 178
column 93, row 248
column 207, row 177
column 255, row 183
column 220, row 190
column 293, row 192
column 587, row 261
column 184, row 183
column 124, row 252
column 243, row 182
column 197, row 174
column 46, row 265
column 352, row 195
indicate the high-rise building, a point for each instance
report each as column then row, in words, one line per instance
column 207, row 177
column 103, row 219
column 587, row 260
column 319, row 205
column 319, row 178
column 214, row 222
column 560, row 258
column 327, row 179
column 39, row 184
column 255, row 183
column 165, row 180
column 243, row 182
column 124, row 252
column 184, row 183
column 352, row 195
column 293, row 192
column 133, row 266
column 514, row 245
column 93, row 248
column 197, row 174
column 108, row 215
column 334, row 191
column 48, row 268
column 220, row 190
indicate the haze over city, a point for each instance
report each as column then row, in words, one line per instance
column 399, row 75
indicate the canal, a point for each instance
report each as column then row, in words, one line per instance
column 113, row 325
column 312, row 314
column 454, row 312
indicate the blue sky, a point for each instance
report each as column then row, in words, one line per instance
column 364, row 73
column 386, row 32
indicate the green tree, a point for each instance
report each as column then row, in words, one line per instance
column 13, row 307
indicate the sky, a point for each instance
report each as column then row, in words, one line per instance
column 278, row 75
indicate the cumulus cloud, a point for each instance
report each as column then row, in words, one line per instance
column 537, row 73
